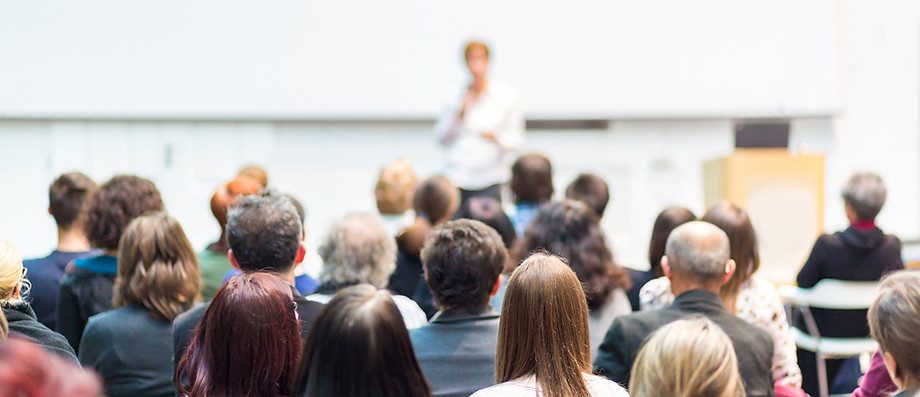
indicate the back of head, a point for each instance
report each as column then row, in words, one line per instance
column 395, row 187
column 436, row 199
column 157, row 267
column 865, row 192
column 247, row 343
column 667, row 220
column 544, row 328
column 256, row 173
column 571, row 230
column 489, row 211
column 687, row 358
column 697, row 251
column 358, row 249
column 27, row 370
column 68, row 198
column 532, row 179
column 735, row 222
column 226, row 193
column 894, row 320
column 359, row 346
column 463, row 259
column 590, row 189
column 115, row 204
column 264, row 232
column 11, row 271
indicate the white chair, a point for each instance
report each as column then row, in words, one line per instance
column 829, row 294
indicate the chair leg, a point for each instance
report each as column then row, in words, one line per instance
column 822, row 375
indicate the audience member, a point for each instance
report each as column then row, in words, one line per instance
column 751, row 298
column 393, row 192
column 157, row 279
column 463, row 260
column 213, row 260
column 862, row 252
column 359, row 346
column 247, row 343
column 590, row 189
column 28, row 371
column 894, row 321
column 543, row 340
column 21, row 320
column 435, row 201
column 256, row 173
column 667, row 220
column 697, row 262
column 531, row 185
column 358, row 250
column 571, row 230
column 687, row 358
column 86, row 288
column 265, row 235
column 67, row 200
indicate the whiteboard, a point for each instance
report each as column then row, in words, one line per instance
column 403, row 58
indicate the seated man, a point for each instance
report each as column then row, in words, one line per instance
column 697, row 263
column 462, row 260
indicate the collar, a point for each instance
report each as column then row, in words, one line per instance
column 699, row 300
column 863, row 225
column 11, row 308
column 104, row 264
column 458, row 315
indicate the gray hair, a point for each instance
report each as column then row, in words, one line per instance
column 358, row 248
column 865, row 192
column 698, row 250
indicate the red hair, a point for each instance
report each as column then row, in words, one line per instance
column 27, row 370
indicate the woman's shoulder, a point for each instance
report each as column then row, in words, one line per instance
column 656, row 294
column 603, row 387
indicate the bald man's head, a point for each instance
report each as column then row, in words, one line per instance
column 698, row 251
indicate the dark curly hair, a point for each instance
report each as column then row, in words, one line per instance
column 570, row 229
column 115, row 204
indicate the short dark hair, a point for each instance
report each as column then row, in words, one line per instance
column 667, row 220
column 463, row 258
column 590, row 189
column 264, row 232
column 68, row 197
column 532, row 178
column 489, row 211
column 115, row 204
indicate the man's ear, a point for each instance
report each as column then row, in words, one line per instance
column 729, row 271
column 301, row 253
column 232, row 259
column 665, row 267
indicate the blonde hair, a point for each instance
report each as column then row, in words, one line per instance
column 687, row 358
column 544, row 328
column 395, row 187
column 11, row 271
column 4, row 326
column 894, row 319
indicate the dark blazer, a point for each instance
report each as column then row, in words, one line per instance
column 753, row 346
column 22, row 321
column 456, row 351
column 84, row 293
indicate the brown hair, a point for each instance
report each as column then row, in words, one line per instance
column 115, row 204
column 544, row 328
column 667, row 220
column 256, row 173
column 157, row 267
column 736, row 224
column 894, row 319
column 247, row 343
column 435, row 200
column 395, row 187
column 68, row 197
column 532, row 178
column 591, row 190
column 474, row 45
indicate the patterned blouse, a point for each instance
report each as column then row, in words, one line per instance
column 759, row 304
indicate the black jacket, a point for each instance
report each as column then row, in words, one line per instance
column 22, row 321
column 83, row 294
column 753, row 346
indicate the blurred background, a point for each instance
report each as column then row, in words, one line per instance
column 322, row 94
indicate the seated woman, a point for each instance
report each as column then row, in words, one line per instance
column 543, row 339
column 894, row 319
column 86, row 288
column 753, row 299
column 359, row 346
column 19, row 316
column 667, row 220
column 687, row 358
column 359, row 250
column 571, row 230
column 247, row 343
column 158, row 279
column 862, row 252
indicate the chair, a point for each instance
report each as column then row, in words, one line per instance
column 829, row 294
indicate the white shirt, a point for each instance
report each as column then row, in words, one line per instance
column 528, row 387
column 472, row 162
column 412, row 314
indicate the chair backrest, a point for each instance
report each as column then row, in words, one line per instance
column 833, row 294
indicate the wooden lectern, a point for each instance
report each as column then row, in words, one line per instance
column 784, row 195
